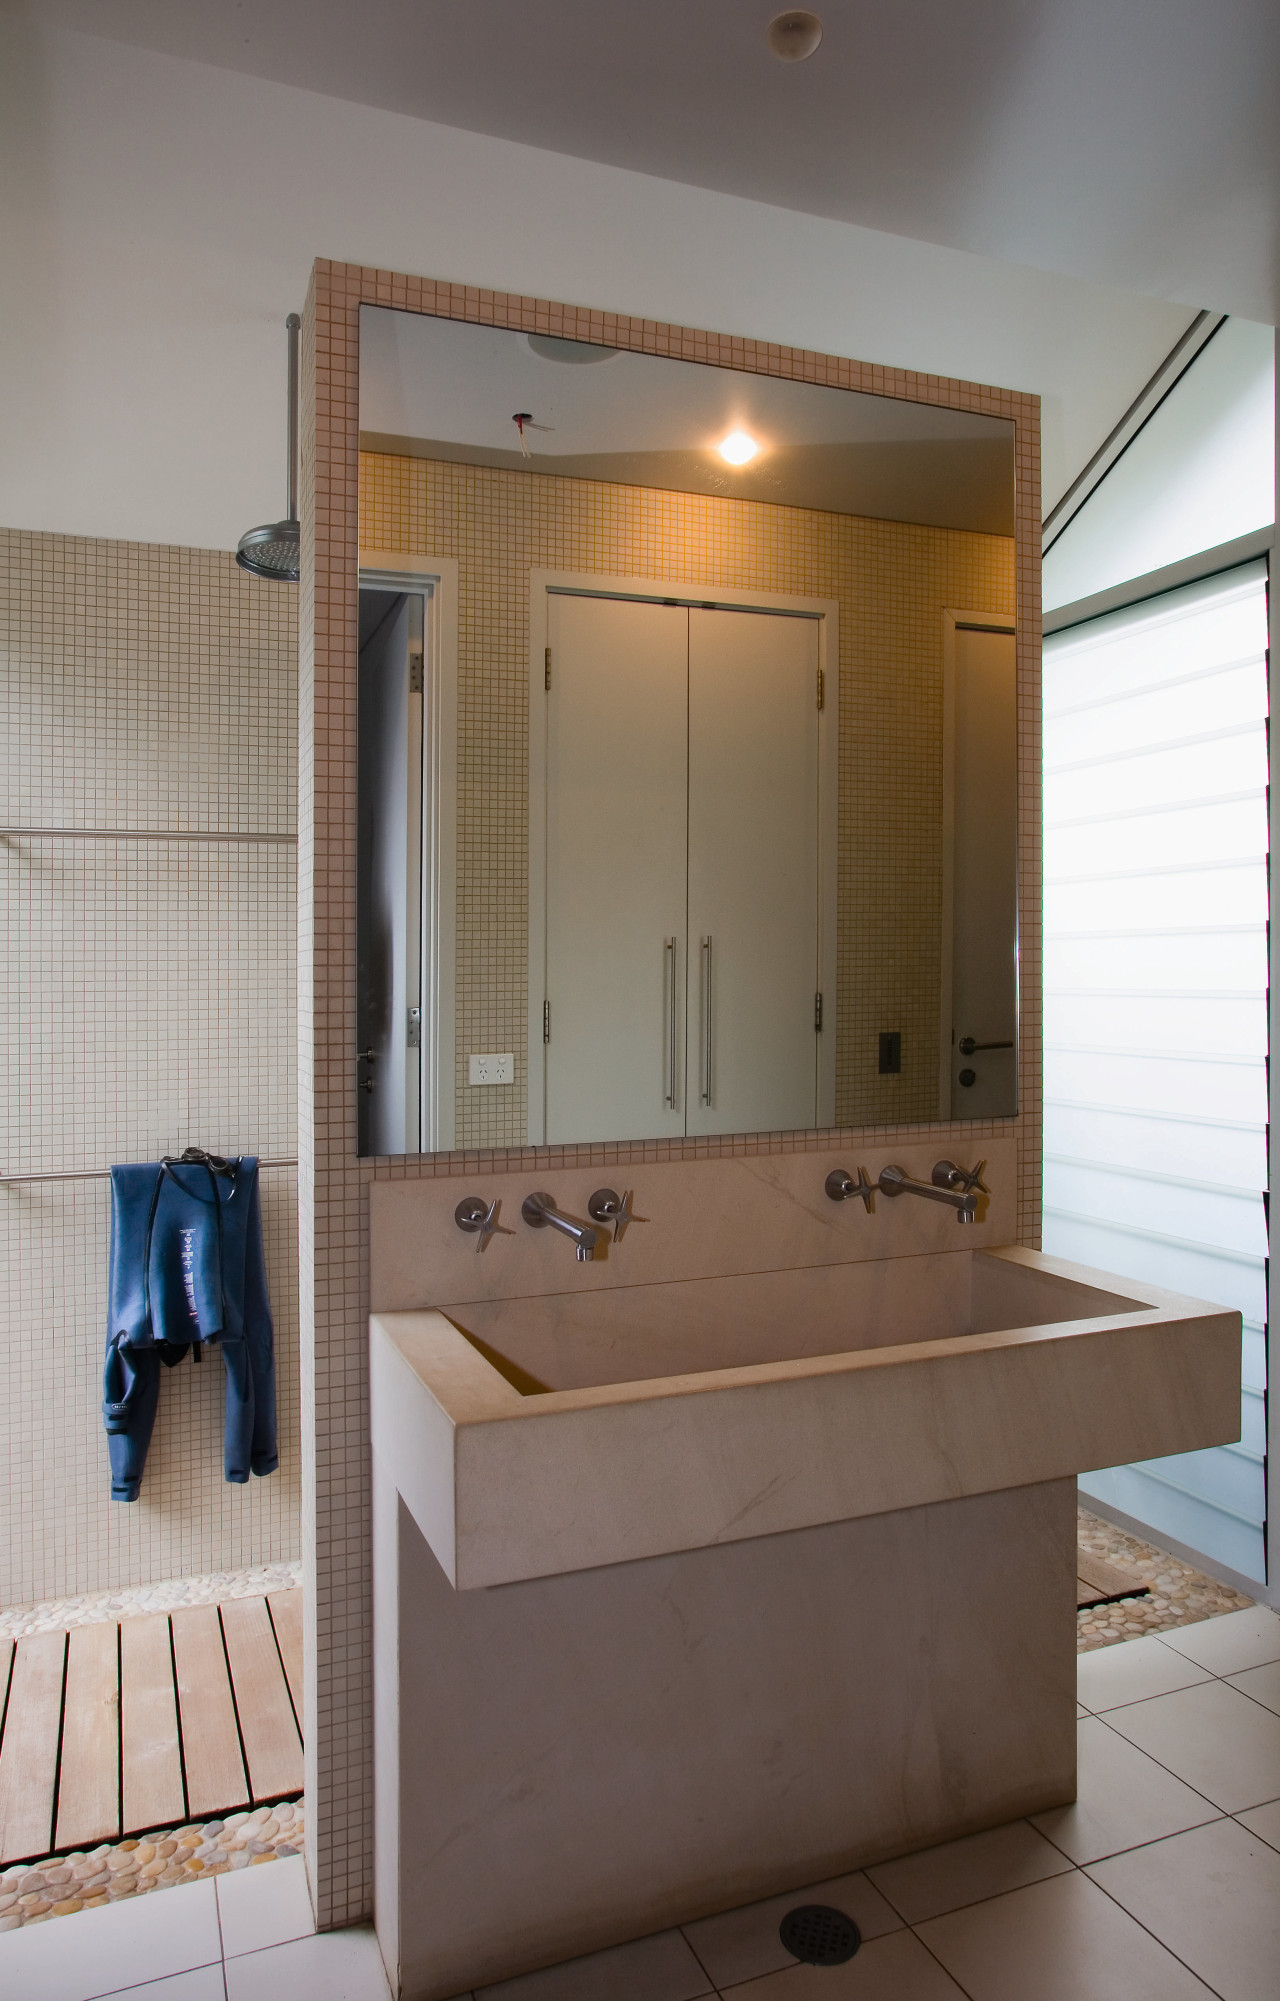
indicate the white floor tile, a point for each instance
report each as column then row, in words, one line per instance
column 1213, row 1897
column 1220, row 1742
column 894, row 1968
column 265, row 1906
column 1124, row 1798
column 1230, row 1643
column 205, row 1984
column 1057, row 1941
column 1131, row 1672
column 1263, row 1820
column 332, row 1966
column 1260, row 1684
column 90, row 1953
column 737, row 1945
column 659, row 1968
column 961, row 1872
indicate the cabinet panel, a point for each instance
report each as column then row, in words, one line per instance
column 753, row 871
column 616, row 867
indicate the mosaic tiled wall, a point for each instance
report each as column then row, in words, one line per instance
column 892, row 581
column 150, row 899
column 333, row 1200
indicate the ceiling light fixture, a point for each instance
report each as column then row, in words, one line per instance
column 794, row 36
column 737, row 448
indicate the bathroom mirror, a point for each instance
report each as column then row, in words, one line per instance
column 687, row 748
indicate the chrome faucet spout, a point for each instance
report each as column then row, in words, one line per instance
column 540, row 1213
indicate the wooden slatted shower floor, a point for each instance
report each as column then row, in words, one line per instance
column 111, row 1730
column 1101, row 1583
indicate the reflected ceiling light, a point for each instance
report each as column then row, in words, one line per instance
column 737, row 448
column 793, row 36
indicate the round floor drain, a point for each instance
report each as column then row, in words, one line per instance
column 819, row 1935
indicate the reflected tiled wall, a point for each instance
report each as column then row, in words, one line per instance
column 892, row 580
column 149, row 974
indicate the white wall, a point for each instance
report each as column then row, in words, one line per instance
column 1200, row 473
column 161, row 217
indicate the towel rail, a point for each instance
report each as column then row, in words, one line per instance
column 101, row 1173
column 141, row 834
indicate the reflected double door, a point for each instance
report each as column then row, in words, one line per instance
column 682, row 870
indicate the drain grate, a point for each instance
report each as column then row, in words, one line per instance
column 819, row 1935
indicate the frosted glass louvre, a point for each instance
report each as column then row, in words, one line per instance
column 1155, row 862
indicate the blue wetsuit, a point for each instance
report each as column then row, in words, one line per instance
column 187, row 1268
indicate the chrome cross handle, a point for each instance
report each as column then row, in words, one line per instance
column 607, row 1206
column 479, row 1220
column 967, row 1180
column 841, row 1187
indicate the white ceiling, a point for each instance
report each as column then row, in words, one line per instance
column 1131, row 142
column 161, row 216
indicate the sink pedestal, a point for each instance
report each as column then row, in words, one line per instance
column 735, row 1559
column 567, row 1762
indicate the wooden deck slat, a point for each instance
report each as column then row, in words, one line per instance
column 273, row 1748
column 286, row 1617
column 151, row 1766
column 29, row 1752
column 210, row 1741
column 89, row 1778
column 1107, row 1579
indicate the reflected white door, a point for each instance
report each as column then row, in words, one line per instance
column 752, row 971
column 982, row 808
column 616, row 869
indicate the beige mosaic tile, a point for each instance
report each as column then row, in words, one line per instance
column 892, row 581
column 148, row 898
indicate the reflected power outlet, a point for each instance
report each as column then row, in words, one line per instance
column 491, row 1069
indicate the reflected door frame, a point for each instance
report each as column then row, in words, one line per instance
column 648, row 590
column 953, row 622
column 437, row 578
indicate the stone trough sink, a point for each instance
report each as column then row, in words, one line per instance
column 534, row 1436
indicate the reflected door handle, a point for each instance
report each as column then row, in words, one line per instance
column 967, row 1045
column 706, row 1022
column 672, row 1024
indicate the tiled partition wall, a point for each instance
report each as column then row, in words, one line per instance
column 149, row 926
column 892, row 579
column 333, row 1199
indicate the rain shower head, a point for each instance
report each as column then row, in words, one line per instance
column 273, row 551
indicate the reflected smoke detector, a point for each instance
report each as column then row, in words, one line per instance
column 273, row 551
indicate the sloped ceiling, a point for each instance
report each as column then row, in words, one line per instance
column 1131, row 142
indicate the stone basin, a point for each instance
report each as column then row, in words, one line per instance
column 535, row 1436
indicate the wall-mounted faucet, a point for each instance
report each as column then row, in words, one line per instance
column 958, row 1187
column 540, row 1212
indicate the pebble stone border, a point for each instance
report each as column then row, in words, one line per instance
column 132, row 1601
column 31, row 1892
column 1179, row 1595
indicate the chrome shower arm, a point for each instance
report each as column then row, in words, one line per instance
column 294, row 326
